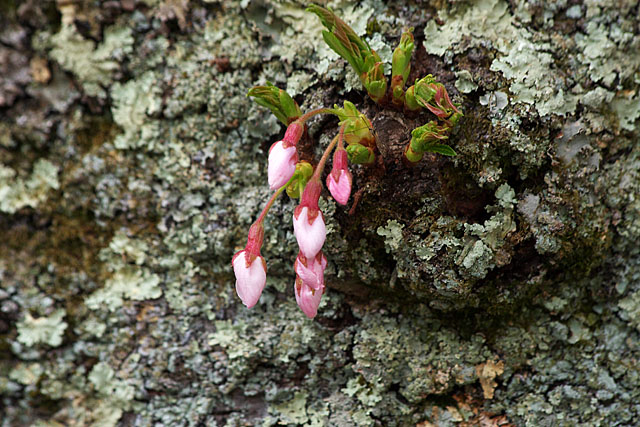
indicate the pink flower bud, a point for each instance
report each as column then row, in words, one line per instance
column 251, row 276
column 309, row 229
column 311, row 271
column 340, row 179
column 308, row 299
column 282, row 164
column 293, row 133
column 340, row 189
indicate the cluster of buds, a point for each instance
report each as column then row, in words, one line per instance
column 426, row 93
column 358, row 134
column 301, row 179
column 429, row 94
column 355, row 144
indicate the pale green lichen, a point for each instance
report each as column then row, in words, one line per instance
column 132, row 102
column 104, row 379
column 293, row 411
column 481, row 20
column 465, row 83
column 528, row 66
column 94, row 65
column 42, row 330
column 115, row 396
column 135, row 249
column 392, row 233
column 598, row 49
column 478, row 249
column 190, row 177
column 478, row 256
column 628, row 111
column 27, row 373
column 17, row 193
column 630, row 306
column 126, row 283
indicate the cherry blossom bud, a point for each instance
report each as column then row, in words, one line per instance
column 308, row 223
column 250, row 267
column 340, row 179
column 293, row 133
column 311, row 271
column 251, row 276
column 282, row 164
column 309, row 229
column 308, row 299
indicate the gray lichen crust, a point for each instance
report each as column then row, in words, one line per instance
column 499, row 286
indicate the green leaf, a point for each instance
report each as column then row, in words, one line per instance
column 277, row 100
column 333, row 42
column 443, row 149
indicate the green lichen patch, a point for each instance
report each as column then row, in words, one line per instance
column 453, row 255
column 524, row 246
column 42, row 330
column 132, row 102
column 126, row 283
column 528, row 66
column 93, row 65
column 17, row 192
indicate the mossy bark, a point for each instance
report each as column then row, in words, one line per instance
column 496, row 287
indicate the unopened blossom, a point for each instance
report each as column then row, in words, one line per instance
column 293, row 133
column 250, row 267
column 308, row 223
column 251, row 276
column 311, row 271
column 340, row 179
column 282, row 164
column 308, row 299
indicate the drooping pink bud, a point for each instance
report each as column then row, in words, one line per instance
column 251, row 276
column 293, row 133
column 250, row 267
column 282, row 164
column 340, row 179
column 311, row 271
column 309, row 229
column 308, row 299
column 308, row 223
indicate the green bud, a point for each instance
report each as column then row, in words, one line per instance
column 397, row 92
column 358, row 128
column 427, row 138
column 410, row 99
column 425, row 90
column 426, row 135
column 301, row 176
column 341, row 38
column 375, row 82
column 411, row 155
column 453, row 120
column 278, row 101
column 434, row 97
column 359, row 154
column 401, row 62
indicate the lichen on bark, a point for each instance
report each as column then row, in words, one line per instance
column 497, row 286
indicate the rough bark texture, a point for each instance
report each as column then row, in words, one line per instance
column 498, row 287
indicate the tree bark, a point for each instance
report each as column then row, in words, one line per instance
column 496, row 287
